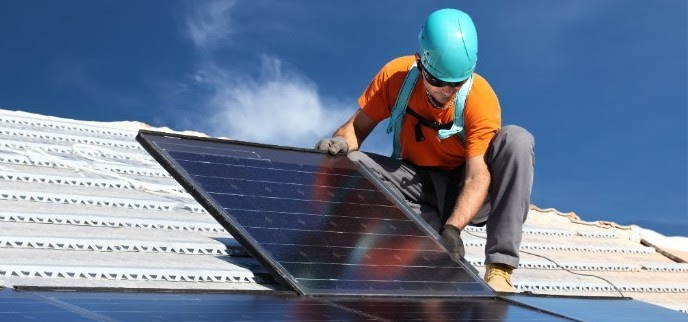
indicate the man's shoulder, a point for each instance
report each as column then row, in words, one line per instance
column 393, row 73
column 480, row 84
column 482, row 97
column 400, row 64
column 479, row 80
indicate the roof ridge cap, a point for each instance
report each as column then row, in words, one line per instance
column 574, row 218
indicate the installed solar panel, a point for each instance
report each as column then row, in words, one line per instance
column 599, row 309
column 315, row 220
column 127, row 306
column 110, row 305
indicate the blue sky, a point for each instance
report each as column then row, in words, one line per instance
column 601, row 84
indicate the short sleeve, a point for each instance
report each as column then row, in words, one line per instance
column 482, row 117
column 379, row 97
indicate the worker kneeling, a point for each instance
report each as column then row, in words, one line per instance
column 453, row 163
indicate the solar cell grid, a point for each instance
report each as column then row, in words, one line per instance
column 314, row 219
column 465, row 309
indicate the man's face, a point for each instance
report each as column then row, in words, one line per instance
column 440, row 91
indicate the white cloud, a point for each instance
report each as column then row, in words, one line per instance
column 209, row 23
column 278, row 106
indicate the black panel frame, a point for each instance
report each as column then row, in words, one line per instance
column 280, row 275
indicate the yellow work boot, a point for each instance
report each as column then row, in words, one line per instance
column 498, row 276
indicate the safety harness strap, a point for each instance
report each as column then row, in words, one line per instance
column 425, row 122
column 400, row 108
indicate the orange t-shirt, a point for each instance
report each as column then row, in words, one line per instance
column 481, row 117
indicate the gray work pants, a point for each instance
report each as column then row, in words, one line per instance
column 432, row 192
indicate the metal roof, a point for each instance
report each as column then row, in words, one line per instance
column 81, row 205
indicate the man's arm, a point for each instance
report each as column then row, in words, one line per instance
column 472, row 197
column 356, row 129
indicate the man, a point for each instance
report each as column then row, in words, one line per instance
column 452, row 161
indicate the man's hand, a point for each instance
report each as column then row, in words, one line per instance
column 333, row 145
column 451, row 237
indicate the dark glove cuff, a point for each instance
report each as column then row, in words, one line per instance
column 450, row 227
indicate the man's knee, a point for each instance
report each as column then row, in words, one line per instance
column 515, row 139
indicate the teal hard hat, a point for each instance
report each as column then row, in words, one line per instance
column 449, row 45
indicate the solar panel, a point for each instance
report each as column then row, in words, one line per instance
column 110, row 305
column 318, row 222
column 446, row 309
column 75, row 305
column 598, row 308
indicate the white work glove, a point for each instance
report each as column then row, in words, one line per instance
column 333, row 145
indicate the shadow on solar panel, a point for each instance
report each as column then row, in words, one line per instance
column 318, row 222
